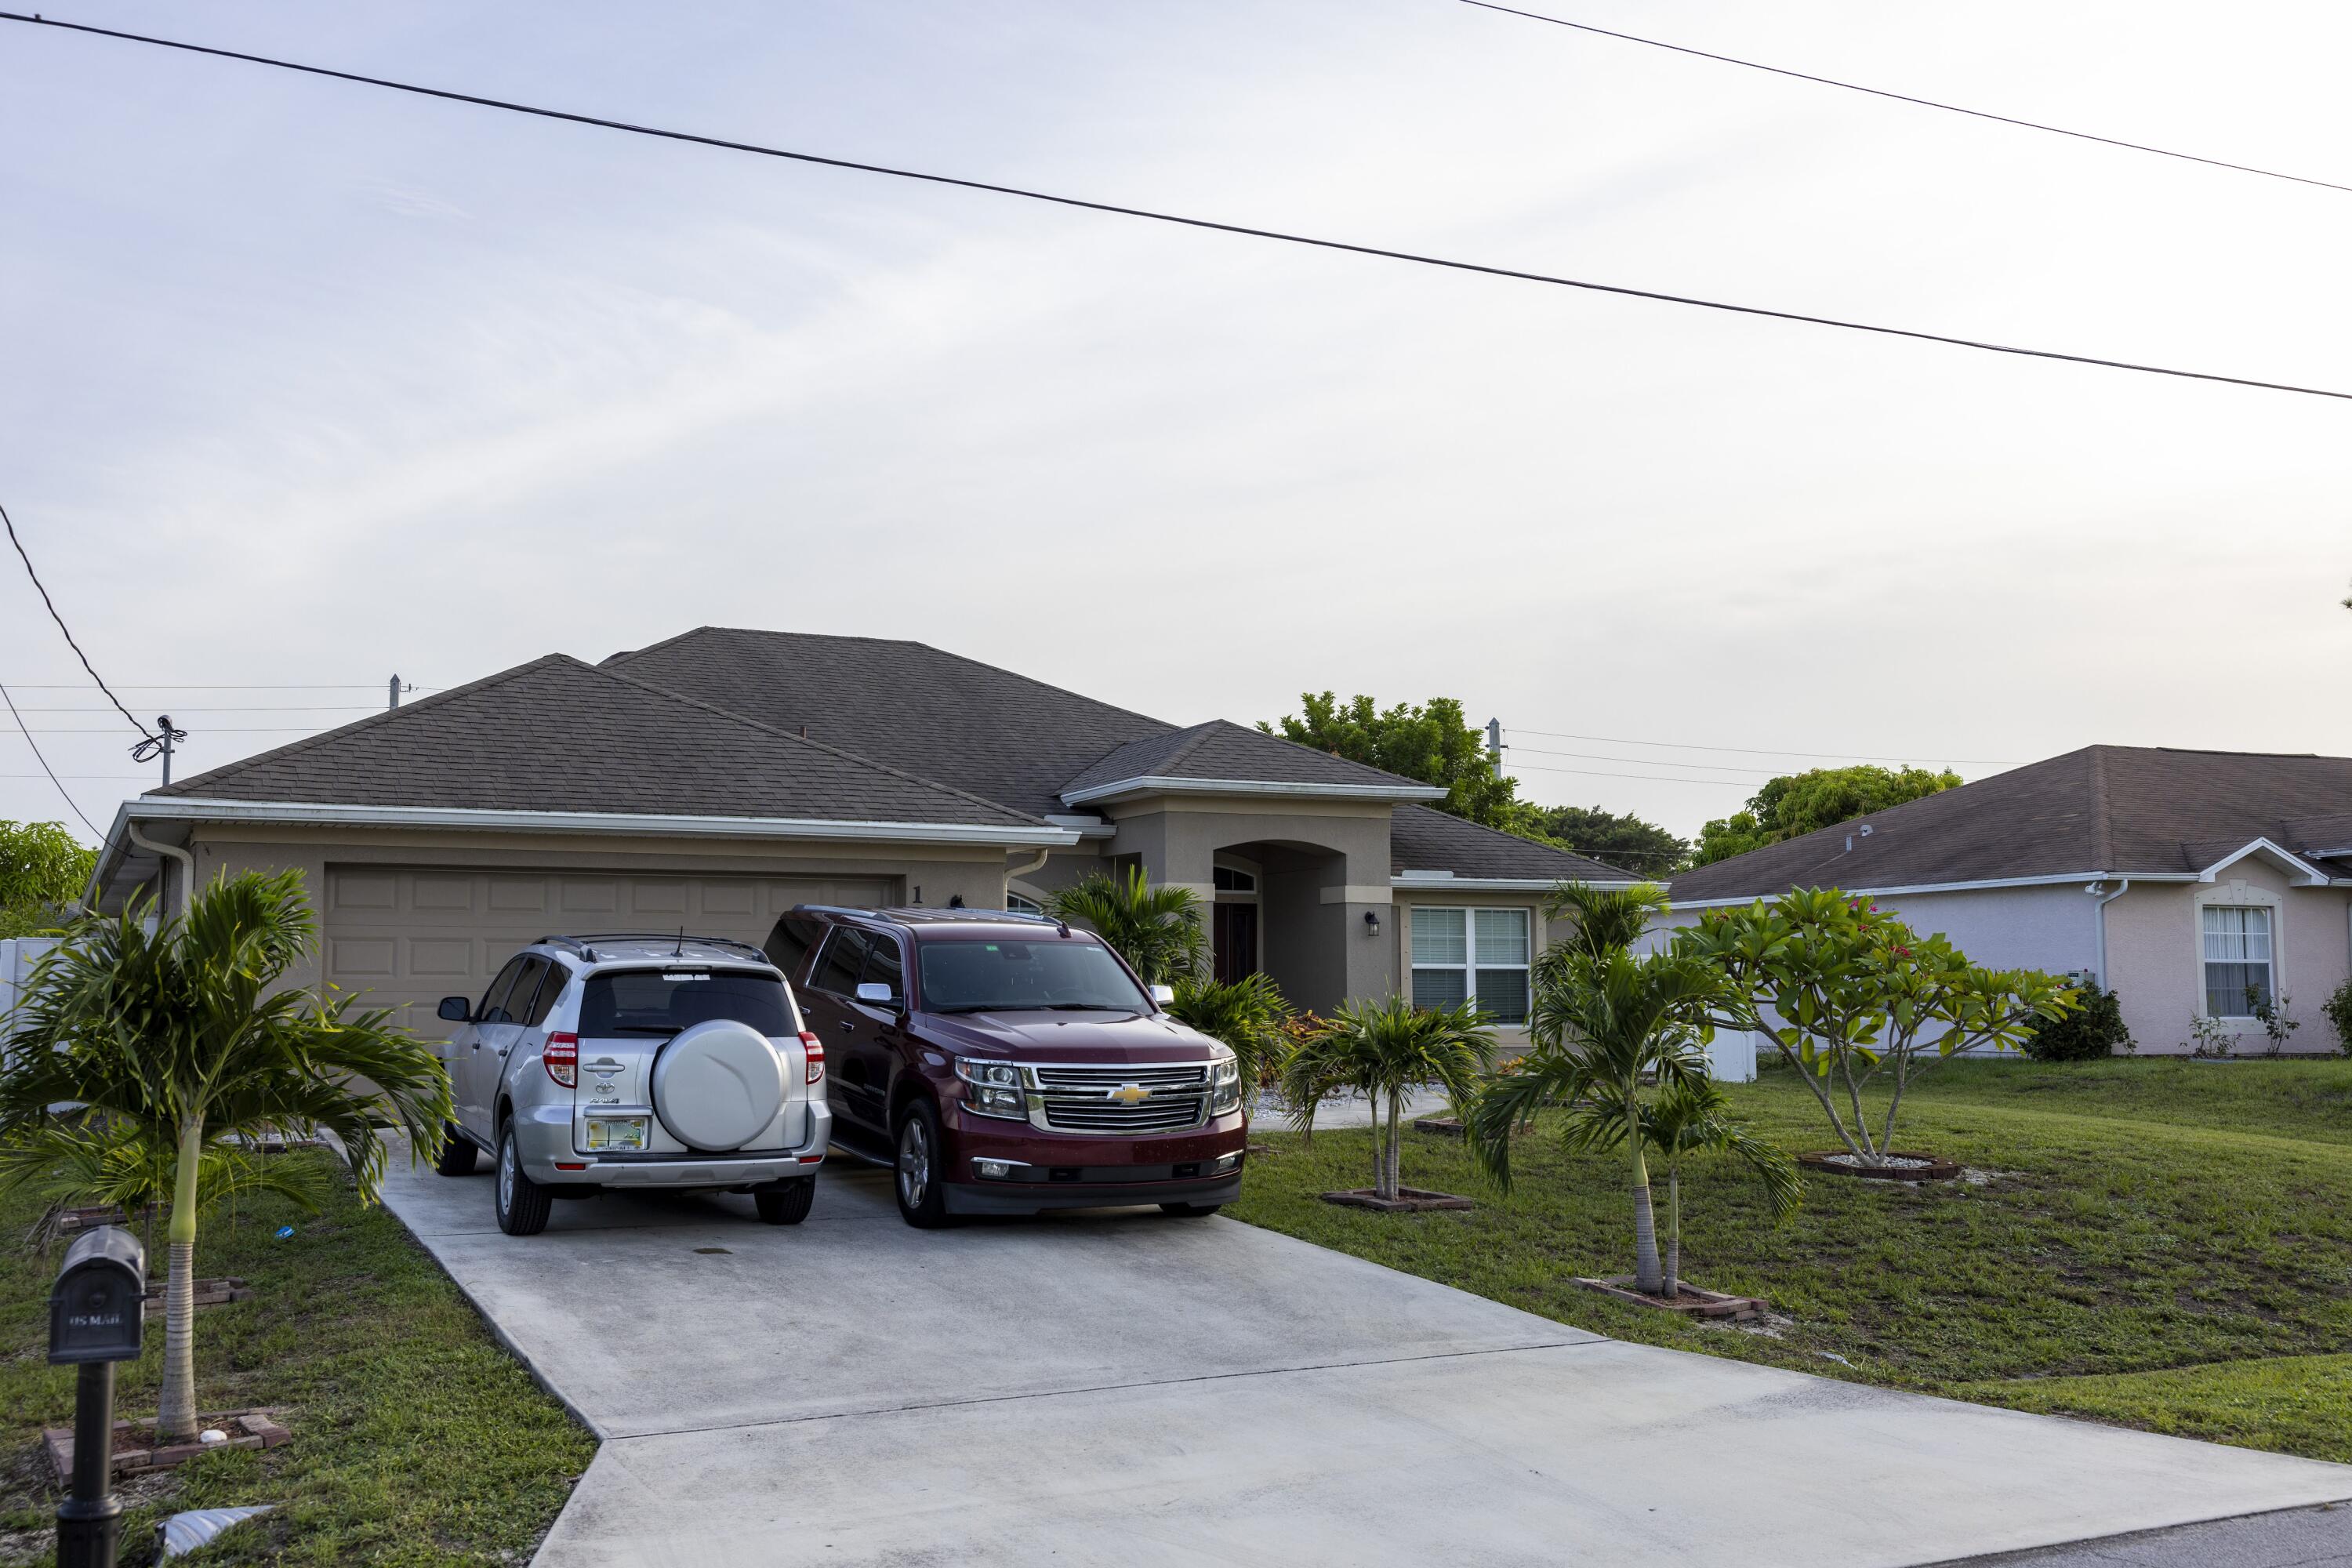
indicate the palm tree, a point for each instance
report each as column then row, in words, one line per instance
column 1381, row 1049
column 1695, row 1119
column 1605, row 1025
column 1248, row 1015
column 177, row 1032
column 96, row 1161
column 1606, row 920
column 1156, row 930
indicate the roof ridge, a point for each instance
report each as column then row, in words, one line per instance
column 806, row 740
column 294, row 748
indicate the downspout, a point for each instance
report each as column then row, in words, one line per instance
column 1026, row 867
column 2100, row 916
column 187, row 867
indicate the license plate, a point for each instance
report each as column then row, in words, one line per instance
column 617, row 1133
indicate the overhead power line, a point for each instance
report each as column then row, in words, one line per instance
column 1754, row 751
column 228, row 686
column 71, row 802
column 1654, row 778
column 146, row 734
column 1653, row 762
column 1247, row 230
column 1907, row 97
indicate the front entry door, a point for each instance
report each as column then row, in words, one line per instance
column 1233, row 940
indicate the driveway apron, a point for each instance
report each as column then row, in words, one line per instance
column 1127, row 1388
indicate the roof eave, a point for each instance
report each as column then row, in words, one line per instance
column 2052, row 880
column 1129, row 789
column 1406, row 880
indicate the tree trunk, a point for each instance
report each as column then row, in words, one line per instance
column 1395, row 1172
column 1379, row 1152
column 1674, row 1230
column 1646, row 1274
column 175, row 1411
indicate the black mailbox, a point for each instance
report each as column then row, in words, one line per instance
column 98, row 1304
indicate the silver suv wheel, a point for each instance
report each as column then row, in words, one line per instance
column 506, row 1175
column 914, row 1163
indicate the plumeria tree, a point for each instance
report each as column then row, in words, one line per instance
column 183, row 1038
column 1857, row 1001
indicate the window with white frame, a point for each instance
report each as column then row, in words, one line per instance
column 1459, row 955
column 2237, row 960
column 1021, row 906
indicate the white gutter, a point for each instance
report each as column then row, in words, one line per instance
column 185, row 808
column 2050, row 881
column 1410, row 880
column 2099, row 912
column 1155, row 784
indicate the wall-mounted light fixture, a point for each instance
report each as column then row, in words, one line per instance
column 1371, row 922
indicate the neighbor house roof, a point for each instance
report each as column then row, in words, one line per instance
column 985, row 731
column 1224, row 755
column 558, row 735
column 1426, row 840
column 2104, row 810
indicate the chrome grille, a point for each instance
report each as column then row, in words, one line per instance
column 1079, row 1099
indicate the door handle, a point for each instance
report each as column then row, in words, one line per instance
column 847, row 1028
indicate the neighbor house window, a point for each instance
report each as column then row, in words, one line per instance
column 1021, row 906
column 2237, row 960
column 1459, row 955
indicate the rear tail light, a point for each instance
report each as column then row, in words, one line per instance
column 815, row 1049
column 562, row 1057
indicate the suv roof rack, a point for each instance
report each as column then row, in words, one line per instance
column 581, row 942
column 932, row 914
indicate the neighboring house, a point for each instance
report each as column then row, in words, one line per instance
column 713, row 781
column 2183, row 879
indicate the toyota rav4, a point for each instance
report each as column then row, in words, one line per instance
column 1006, row 1064
column 632, row 1061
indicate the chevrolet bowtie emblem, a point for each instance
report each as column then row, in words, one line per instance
column 1130, row 1094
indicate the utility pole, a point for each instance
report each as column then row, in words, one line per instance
column 163, row 727
column 1494, row 744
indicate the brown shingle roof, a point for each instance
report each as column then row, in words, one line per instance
column 1221, row 750
column 2136, row 810
column 557, row 734
column 1421, row 838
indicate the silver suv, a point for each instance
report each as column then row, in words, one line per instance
column 631, row 1061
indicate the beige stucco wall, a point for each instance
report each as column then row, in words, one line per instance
column 2154, row 953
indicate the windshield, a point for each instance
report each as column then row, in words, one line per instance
column 1015, row 976
column 664, row 1001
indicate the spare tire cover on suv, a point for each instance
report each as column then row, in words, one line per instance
column 718, row 1084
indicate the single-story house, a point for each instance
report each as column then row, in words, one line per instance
column 2185, row 881
column 715, row 780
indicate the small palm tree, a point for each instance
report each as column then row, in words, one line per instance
column 177, row 1032
column 1695, row 1118
column 1381, row 1050
column 1248, row 1013
column 1156, row 930
column 95, row 1161
column 1606, row 1026
column 1605, row 920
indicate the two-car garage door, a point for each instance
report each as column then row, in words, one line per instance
column 405, row 937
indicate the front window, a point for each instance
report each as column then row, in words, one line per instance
column 2237, row 960
column 1027, row 976
column 1459, row 954
column 664, row 1000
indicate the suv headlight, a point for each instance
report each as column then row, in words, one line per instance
column 1225, row 1086
column 992, row 1089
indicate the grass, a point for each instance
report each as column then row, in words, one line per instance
column 417, row 1440
column 2156, row 1244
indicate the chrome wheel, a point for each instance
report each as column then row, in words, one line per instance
column 506, row 1175
column 914, row 1163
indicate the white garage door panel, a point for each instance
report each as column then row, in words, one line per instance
column 405, row 938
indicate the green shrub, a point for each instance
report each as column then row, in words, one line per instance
column 2090, row 1033
column 2339, row 1009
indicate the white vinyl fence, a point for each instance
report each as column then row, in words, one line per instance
column 17, row 956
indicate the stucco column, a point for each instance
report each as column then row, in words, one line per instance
column 1368, row 958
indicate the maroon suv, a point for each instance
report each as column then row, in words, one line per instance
column 1009, row 1064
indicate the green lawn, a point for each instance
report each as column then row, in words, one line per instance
column 2159, row 1244
column 417, row 1440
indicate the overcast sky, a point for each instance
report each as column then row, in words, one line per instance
column 310, row 383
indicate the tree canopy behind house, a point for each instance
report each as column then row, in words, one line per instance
column 42, row 869
column 1798, row 804
column 1434, row 742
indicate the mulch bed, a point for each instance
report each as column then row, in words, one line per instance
column 208, row 1293
column 134, row 1442
column 1920, row 1167
column 1409, row 1200
column 1691, row 1301
column 1444, row 1126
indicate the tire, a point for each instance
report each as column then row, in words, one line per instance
column 788, row 1203
column 521, row 1202
column 916, row 1167
column 458, row 1152
column 1190, row 1210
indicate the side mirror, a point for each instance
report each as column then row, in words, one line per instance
column 1162, row 995
column 877, row 994
column 455, row 1010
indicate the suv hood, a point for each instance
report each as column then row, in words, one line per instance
column 1067, row 1036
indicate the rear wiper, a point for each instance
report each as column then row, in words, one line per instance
column 665, row 1030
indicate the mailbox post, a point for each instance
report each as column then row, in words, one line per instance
column 96, row 1310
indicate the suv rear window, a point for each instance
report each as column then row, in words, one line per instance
column 664, row 1001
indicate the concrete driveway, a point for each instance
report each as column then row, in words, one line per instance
column 1124, row 1388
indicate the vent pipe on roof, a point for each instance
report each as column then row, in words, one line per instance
column 1494, row 744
